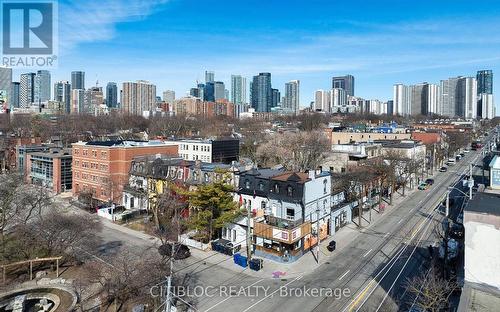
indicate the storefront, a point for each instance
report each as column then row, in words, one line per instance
column 341, row 217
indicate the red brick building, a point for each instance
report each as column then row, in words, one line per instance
column 102, row 168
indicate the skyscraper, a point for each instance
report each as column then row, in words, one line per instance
column 322, row 101
column 15, row 89
column 344, row 82
column 219, row 90
column 169, row 96
column 77, row 80
column 292, row 94
column 111, row 95
column 93, row 98
column 338, row 101
column 402, row 100
column 62, row 94
column 27, row 90
column 262, row 96
column 209, row 92
column 467, row 98
column 276, row 97
column 448, row 102
column 484, row 81
column 42, row 86
column 77, row 101
column 486, row 106
column 5, row 85
column 138, row 97
column 209, row 76
column 238, row 89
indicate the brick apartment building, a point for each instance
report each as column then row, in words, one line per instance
column 355, row 137
column 102, row 167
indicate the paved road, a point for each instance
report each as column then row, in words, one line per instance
column 367, row 268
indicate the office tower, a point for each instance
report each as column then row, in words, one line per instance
column 5, row 87
column 484, row 81
column 390, row 107
column 27, row 90
column 344, row 82
column 112, row 95
column 77, row 101
column 62, row 94
column 238, row 89
column 93, row 98
column 209, row 92
column 292, row 89
column 338, row 101
column 77, row 80
column 322, row 101
column 262, row 95
column 467, row 98
column 15, row 89
column 194, row 92
column 219, row 90
column 138, row 97
column 169, row 96
column 209, row 76
column 42, row 86
column 402, row 100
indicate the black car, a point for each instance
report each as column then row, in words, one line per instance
column 457, row 231
column 429, row 181
column 331, row 246
column 443, row 169
column 180, row 251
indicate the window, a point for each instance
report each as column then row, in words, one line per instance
column 276, row 188
column 195, row 176
column 325, row 184
column 247, row 184
column 250, row 203
column 261, row 186
column 206, row 177
column 290, row 213
column 262, row 205
column 289, row 191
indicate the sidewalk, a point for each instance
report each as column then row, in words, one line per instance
column 307, row 263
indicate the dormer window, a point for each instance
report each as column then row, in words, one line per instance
column 247, row 184
column 195, row 176
column 289, row 191
column 276, row 188
column 261, row 186
column 206, row 177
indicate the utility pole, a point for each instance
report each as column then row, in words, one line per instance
column 317, row 229
column 249, row 237
column 168, row 304
column 370, row 201
column 447, row 212
column 471, row 182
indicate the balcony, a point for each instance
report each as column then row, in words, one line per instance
column 277, row 231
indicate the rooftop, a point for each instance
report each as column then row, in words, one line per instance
column 124, row 143
column 495, row 162
column 484, row 203
column 54, row 153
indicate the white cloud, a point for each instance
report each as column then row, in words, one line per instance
column 95, row 20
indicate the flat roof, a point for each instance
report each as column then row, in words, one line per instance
column 485, row 203
column 124, row 143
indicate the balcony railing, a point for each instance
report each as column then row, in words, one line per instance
column 287, row 235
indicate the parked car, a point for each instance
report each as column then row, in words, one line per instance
column 331, row 246
column 423, row 186
column 462, row 155
column 180, row 251
column 443, row 169
column 466, row 151
column 457, row 231
column 450, row 163
column 429, row 181
column 458, row 157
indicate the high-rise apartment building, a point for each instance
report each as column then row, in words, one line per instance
column 275, row 98
column 77, row 101
column 15, row 90
column 484, row 81
column 62, row 94
column 77, row 80
column 209, row 92
column 42, row 86
column 138, row 97
column 338, row 100
column 27, row 90
column 5, row 87
column 112, row 95
column 262, row 94
column 449, row 88
column 94, row 98
column 322, row 101
column 486, row 106
column 169, row 96
column 219, row 90
column 467, row 98
column 344, row 82
column 238, row 90
column 292, row 96
column 402, row 100
column 209, row 76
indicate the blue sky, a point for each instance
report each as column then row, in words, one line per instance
column 172, row 42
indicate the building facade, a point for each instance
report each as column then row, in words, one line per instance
column 138, row 97
column 112, row 95
column 51, row 169
column 78, row 80
column 292, row 96
column 62, row 94
column 209, row 151
column 262, row 95
column 344, row 82
column 27, row 90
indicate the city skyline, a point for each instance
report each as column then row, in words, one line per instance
column 440, row 49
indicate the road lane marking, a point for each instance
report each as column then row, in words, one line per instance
column 230, row 296
column 401, row 220
column 387, row 234
column 271, row 294
column 343, row 275
column 366, row 254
